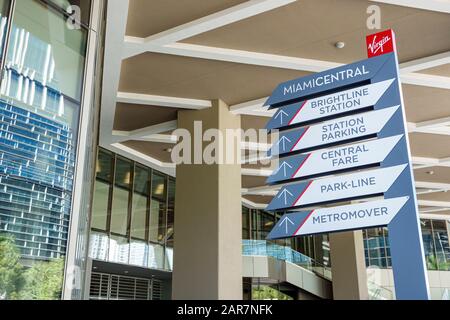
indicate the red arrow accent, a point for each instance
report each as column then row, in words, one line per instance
column 298, row 111
column 304, row 161
column 304, row 221
column 300, row 138
column 303, row 192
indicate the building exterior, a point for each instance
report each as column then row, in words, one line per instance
column 100, row 99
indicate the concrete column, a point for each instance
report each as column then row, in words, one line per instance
column 348, row 266
column 208, row 216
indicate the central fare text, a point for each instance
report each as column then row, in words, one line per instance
column 344, row 156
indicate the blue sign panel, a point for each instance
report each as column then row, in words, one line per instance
column 351, row 118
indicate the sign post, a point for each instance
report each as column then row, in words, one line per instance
column 344, row 137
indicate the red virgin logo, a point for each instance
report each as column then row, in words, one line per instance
column 380, row 43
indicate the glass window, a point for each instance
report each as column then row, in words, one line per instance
column 123, row 173
column 100, row 205
column 119, row 211
column 140, row 208
column 138, row 253
column 441, row 244
column 170, row 213
column 157, row 228
column 40, row 96
column 139, row 216
column 118, row 249
column 141, row 180
column 98, row 246
column 245, row 223
column 4, row 6
column 156, row 256
column 104, row 165
column 428, row 245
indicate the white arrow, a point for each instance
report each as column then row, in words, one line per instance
column 280, row 115
column 283, row 166
column 284, row 193
column 283, row 139
column 286, row 221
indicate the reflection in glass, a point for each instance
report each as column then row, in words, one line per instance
column 138, row 253
column 139, row 216
column 40, row 96
column 100, row 205
column 170, row 213
column 98, row 246
column 140, row 207
column 428, row 245
column 157, row 229
column 441, row 243
column 118, row 249
column 104, row 165
column 119, row 211
column 156, row 256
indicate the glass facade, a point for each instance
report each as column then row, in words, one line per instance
column 40, row 104
column 435, row 234
column 132, row 214
column 257, row 224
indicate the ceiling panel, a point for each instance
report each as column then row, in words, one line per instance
column 148, row 17
column 153, row 149
column 132, row 116
column 176, row 76
column 310, row 28
column 430, row 145
column 443, row 70
column 440, row 175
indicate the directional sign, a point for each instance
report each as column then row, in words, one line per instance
column 328, row 80
column 332, row 109
column 335, row 159
column 358, row 216
column 348, row 186
column 330, row 105
column 333, row 131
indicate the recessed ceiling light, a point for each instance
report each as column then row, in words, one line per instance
column 430, row 172
column 168, row 150
column 339, row 44
column 126, row 272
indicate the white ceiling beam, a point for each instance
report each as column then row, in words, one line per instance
column 253, row 205
column 432, row 5
column 280, row 61
column 120, row 136
column 426, row 80
column 432, row 185
column 433, row 123
column 257, row 172
column 159, row 138
column 216, row 20
column 434, row 216
column 433, row 209
column 425, row 63
column 432, row 203
column 116, row 21
column 249, row 106
column 163, row 101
